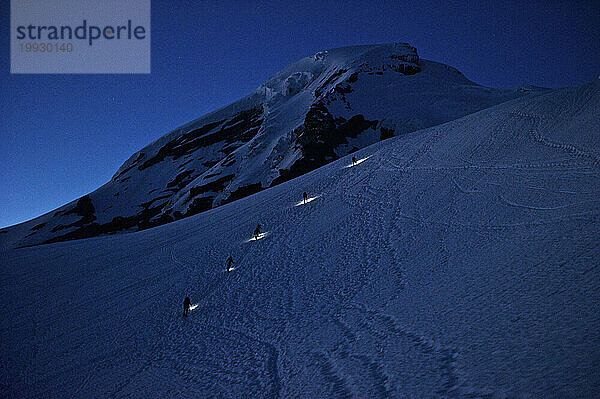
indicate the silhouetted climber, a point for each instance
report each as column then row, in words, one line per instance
column 353, row 161
column 186, row 306
column 229, row 262
column 257, row 231
column 305, row 197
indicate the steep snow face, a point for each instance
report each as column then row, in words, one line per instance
column 458, row 261
column 313, row 112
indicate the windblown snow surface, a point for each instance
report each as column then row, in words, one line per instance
column 457, row 261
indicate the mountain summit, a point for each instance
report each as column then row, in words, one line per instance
column 313, row 112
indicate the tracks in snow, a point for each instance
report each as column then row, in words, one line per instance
column 251, row 353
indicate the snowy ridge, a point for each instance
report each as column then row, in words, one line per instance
column 457, row 261
column 313, row 112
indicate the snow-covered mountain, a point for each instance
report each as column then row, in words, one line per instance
column 459, row 261
column 313, row 112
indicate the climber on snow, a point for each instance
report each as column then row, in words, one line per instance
column 186, row 306
column 257, row 231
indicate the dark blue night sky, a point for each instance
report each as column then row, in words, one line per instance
column 63, row 136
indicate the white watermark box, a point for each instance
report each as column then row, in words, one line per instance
column 80, row 36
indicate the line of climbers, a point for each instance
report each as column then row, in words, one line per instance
column 229, row 262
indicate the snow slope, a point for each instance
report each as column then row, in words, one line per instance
column 311, row 113
column 457, row 261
